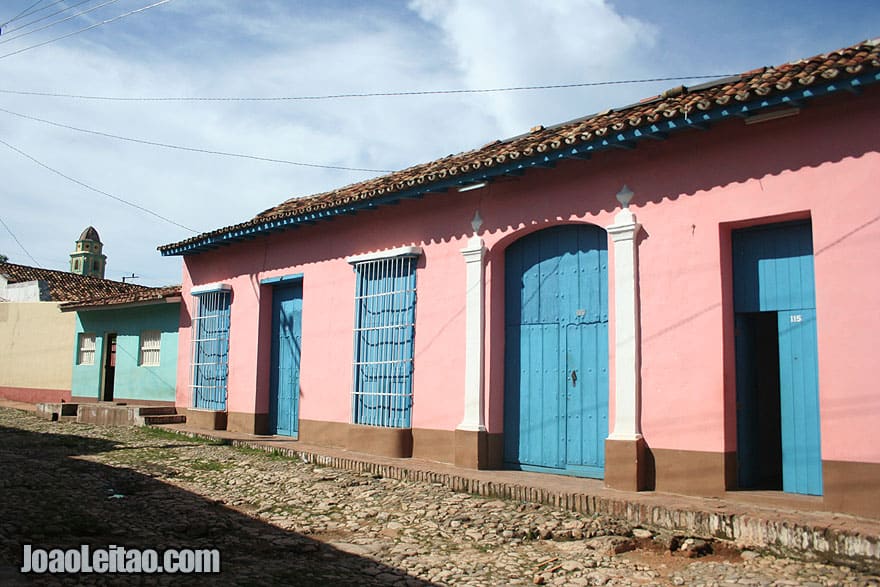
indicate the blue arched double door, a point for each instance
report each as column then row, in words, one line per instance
column 556, row 351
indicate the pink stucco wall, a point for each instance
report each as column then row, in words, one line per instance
column 690, row 190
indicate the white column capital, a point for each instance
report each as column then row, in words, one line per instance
column 475, row 250
column 625, row 226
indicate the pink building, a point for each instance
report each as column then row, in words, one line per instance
column 708, row 329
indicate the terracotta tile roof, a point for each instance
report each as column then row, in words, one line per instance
column 143, row 296
column 676, row 103
column 64, row 286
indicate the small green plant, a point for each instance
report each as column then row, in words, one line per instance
column 268, row 454
column 164, row 434
column 208, row 466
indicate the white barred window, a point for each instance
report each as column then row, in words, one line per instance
column 210, row 345
column 384, row 331
column 86, row 349
column 150, row 343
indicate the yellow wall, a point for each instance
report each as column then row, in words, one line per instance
column 36, row 345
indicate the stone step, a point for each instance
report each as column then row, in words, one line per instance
column 57, row 411
column 164, row 419
column 157, row 411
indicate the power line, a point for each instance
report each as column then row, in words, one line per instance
column 22, row 13
column 191, row 149
column 15, row 238
column 30, row 12
column 59, row 21
column 360, row 95
column 96, row 190
column 108, row 21
column 42, row 18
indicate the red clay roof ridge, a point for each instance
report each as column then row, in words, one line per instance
column 681, row 100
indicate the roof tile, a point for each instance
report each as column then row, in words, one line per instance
column 680, row 101
column 150, row 294
column 64, row 286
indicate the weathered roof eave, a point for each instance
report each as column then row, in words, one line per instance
column 623, row 139
column 79, row 306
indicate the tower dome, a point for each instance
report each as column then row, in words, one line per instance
column 90, row 234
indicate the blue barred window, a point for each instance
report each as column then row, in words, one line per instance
column 385, row 310
column 210, row 346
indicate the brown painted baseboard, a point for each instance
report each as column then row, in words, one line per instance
column 689, row 472
column 205, row 419
column 387, row 442
column 442, row 446
column 247, row 423
column 626, row 465
column 852, row 488
column 434, row 445
column 332, row 434
column 471, row 448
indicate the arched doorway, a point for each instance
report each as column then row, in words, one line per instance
column 556, row 351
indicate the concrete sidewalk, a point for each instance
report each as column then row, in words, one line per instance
column 768, row 521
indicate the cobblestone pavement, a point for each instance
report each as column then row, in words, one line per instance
column 280, row 521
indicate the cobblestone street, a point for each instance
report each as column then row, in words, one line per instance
column 277, row 520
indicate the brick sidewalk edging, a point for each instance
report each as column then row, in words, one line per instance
column 781, row 537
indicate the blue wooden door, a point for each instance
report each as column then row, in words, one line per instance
column 774, row 276
column 556, row 351
column 286, row 352
column 799, row 402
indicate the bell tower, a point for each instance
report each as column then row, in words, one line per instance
column 88, row 259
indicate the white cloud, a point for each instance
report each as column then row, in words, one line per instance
column 284, row 48
column 199, row 190
column 502, row 43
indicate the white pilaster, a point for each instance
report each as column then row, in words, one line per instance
column 627, row 399
column 474, row 254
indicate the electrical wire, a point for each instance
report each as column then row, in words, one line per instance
column 360, row 95
column 88, row 28
column 191, row 149
column 59, row 21
column 15, row 238
column 42, row 18
column 96, row 190
column 22, row 13
column 30, row 12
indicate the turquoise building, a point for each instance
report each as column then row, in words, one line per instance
column 125, row 347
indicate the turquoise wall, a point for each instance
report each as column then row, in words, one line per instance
column 133, row 381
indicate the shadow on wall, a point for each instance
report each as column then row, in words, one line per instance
column 686, row 164
column 54, row 498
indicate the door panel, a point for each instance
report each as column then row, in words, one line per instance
column 586, row 395
column 286, row 353
column 535, row 419
column 799, row 402
column 773, row 268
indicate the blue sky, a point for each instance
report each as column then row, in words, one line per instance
column 262, row 48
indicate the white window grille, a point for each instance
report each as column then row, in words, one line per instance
column 86, row 350
column 385, row 304
column 151, row 341
column 210, row 346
